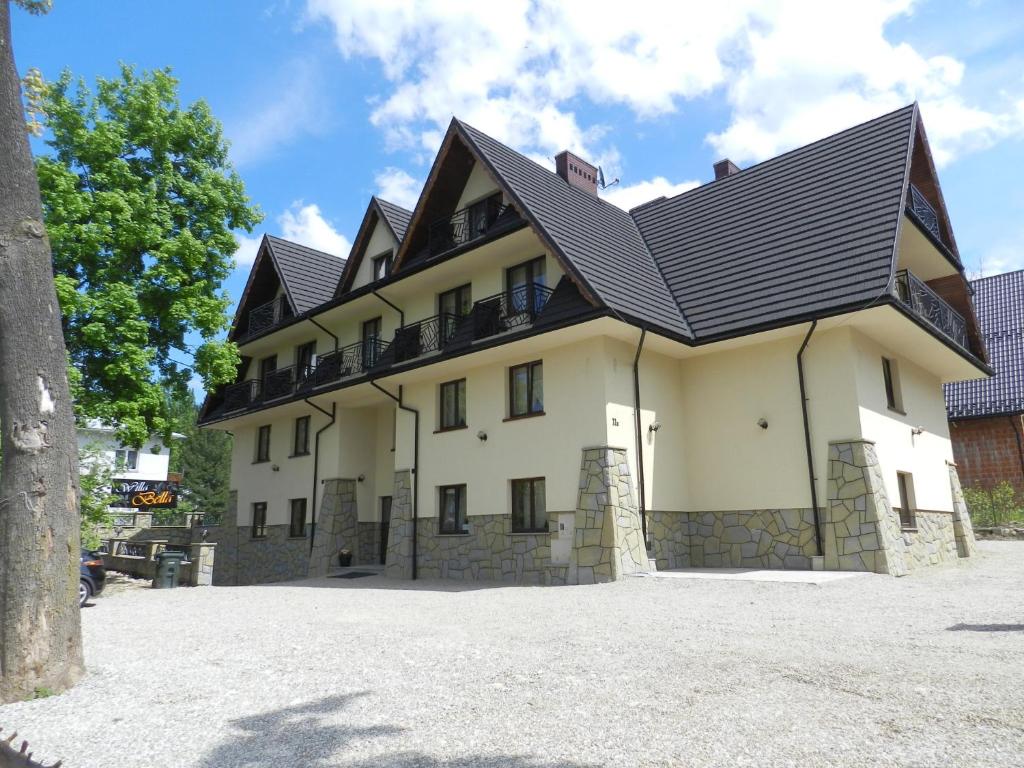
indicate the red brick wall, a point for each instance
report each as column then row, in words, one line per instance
column 986, row 451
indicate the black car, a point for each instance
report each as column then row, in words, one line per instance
column 92, row 576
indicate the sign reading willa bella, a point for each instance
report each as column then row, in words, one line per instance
column 140, row 494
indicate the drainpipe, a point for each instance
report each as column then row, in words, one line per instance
column 401, row 318
column 639, row 435
column 415, row 467
column 316, row 465
column 314, row 322
column 807, row 438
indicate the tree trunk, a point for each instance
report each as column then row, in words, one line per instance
column 40, row 631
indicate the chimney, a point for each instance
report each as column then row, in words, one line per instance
column 577, row 172
column 725, row 168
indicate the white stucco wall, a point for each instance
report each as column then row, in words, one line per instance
column 899, row 450
column 478, row 185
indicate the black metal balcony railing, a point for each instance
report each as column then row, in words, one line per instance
column 242, row 395
column 268, row 315
column 465, row 225
column 429, row 335
column 925, row 303
column 511, row 309
column 924, row 211
column 279, row 383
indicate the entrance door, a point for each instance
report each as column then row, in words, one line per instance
column 385, row 523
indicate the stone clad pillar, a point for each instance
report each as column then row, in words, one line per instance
column 963, row 529
column 201, row 557
column 337, row 526
column 398, row 561
column 861, row 529
column 608, row 542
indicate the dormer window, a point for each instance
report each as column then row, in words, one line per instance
column 382, row 265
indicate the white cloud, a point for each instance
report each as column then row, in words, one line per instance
column 398, row 187
column 288, row 108
column 248, row 247
column 630, row 196
column 790, row 71
column 304, row 224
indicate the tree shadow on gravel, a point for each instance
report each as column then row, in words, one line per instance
column 299, row 736
column 986, row 628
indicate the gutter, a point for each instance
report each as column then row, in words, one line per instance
column 639, row 435
column 807, row 438
column 401, row 314
column 316, row 464
column 415, row 467
column 314, row 322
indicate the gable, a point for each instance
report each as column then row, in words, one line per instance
column 381, row 241
column 263, row 285
column 384, row 226
column 478, row 186
column 308, row 276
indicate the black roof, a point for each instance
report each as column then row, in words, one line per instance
column 396, row 216
column 598, row 240
column 999, row 304
column 309, row 276
column 807, row 232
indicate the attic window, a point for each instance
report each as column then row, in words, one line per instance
column 382, row 265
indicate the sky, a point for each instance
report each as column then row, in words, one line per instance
column 327, row 102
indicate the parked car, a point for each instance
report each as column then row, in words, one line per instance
column 92, row 576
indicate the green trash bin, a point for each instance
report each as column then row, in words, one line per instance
column 167, row 566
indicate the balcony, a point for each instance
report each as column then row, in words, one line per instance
column 915, row 294
column 923, row 212
column 507, row 311
column 466, row 225
column 266, row 316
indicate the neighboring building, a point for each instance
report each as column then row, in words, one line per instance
column 987, row 416
column 148, row 463
column 747, row 374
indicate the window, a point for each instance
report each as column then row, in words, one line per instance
column 892, row 385
column 520, row 282
column 906, row 509
column 453, row 404
column 382, row 266
column 526, row 389
column 267, row 366
column 305, row 354
column 481, row 215
column 259, row 520
column 126, row 459
column 529, row 512
column 371, row 339
column 301, row 445
column 263, row 443
column 297, row 523
column 453, row 510
column 452, row 306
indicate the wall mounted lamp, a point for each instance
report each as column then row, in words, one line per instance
column 361, row 478
column 654, row 427
column 762, row 423
column 916, row 430
column 482, row 436
column 274, row 468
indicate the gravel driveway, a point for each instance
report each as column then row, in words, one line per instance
column 927, row 670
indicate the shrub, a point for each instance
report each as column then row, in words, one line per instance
column 995, row 506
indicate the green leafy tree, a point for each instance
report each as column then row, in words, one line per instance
column 140, row 201
column 995, row 506
column 203, row 458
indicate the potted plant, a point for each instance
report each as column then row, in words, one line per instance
column 345, row 558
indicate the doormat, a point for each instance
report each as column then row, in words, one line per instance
column 352, row 575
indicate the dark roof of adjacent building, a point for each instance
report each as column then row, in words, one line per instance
column 396, row 217
column 808, row 232
column 309, row 276
column 598, row 240
column 999, row 304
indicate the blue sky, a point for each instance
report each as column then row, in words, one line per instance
column 328, row 102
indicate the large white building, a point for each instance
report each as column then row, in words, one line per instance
column 519, row 381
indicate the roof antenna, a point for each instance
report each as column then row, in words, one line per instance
column 600, row 179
